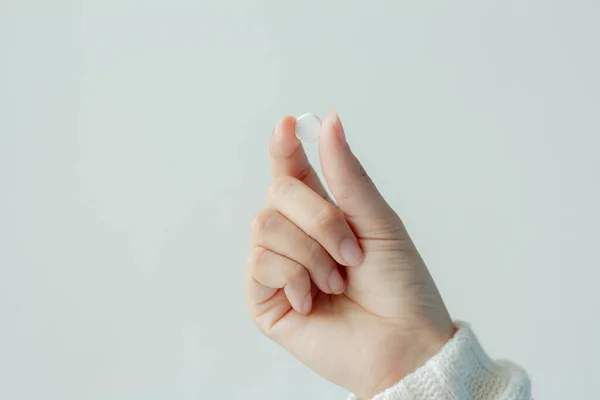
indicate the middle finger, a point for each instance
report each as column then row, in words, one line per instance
column 317, row 217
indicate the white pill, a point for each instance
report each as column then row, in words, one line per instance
column 308, row 127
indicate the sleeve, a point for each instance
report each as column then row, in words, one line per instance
column 461, row 371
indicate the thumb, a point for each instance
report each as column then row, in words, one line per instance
column 355, row 193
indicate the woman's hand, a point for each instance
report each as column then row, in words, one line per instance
column 342, row 287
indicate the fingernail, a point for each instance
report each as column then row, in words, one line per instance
column 351, row 252
column 340, row 132
column 307, row 305
column 336, row 125
column 336, row 283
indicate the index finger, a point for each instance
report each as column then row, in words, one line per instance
column 288, row 157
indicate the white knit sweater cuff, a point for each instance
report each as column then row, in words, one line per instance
column 461, row 370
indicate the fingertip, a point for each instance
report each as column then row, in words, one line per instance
column 351, row 252
column 289, row 122
column 336, row 282
column 284, row 141
column 330, row 120
column 335, row 153
column 286, row 126
column 333, row 130
column 307, row 304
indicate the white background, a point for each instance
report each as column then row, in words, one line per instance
column 133, row 155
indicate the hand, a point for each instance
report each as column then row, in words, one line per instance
column 386, row 318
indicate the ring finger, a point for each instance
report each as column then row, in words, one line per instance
column 273, row 231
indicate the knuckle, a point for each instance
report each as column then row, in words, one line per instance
column 295, row 274
column 315, row 254
column 279, row 185
column 303, row 174
column 327, row 219
column 255, row 257
column 265, row 220
column 264, row 326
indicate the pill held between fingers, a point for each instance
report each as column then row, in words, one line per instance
column 308, row 127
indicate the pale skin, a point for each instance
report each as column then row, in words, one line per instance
column 338, row 282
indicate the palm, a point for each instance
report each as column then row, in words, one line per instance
column 366, row 326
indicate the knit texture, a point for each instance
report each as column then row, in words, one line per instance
column 461, row 371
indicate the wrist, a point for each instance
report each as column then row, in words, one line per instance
column 424, row 345
column 461, row 369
